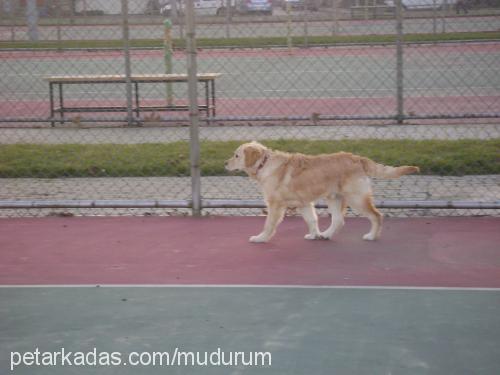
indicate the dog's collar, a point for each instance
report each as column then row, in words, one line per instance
column 262, row 163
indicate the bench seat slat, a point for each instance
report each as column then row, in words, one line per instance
column 91, row 78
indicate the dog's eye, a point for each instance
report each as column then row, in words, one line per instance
column 236, row 156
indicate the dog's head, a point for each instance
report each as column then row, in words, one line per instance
column 247, row 157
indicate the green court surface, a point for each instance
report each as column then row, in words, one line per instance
column 306, row 330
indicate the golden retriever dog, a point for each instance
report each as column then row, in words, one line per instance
column 298, row 180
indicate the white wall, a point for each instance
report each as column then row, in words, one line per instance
column 111, row 6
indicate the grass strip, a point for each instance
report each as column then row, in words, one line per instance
column 248, row 42
column 434, row 157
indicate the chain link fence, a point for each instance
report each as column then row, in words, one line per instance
column 89, row 123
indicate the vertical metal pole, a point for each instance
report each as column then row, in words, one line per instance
column 306, row 27
column 180, row 19
column 128, row 68
column 399, row 62
column 193, row 109
column 434, row 17
column 72, row 11
column 444, row 9
column 289, row 26
column 168, row 51
column 58, row 15
column 10, row 9
column 174, row 9
column 228, row 19
column 181, row 27
column 335, row 29
column 32, row 19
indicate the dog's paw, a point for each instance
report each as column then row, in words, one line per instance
column 310, row 236
column 369, row 237
column 257, row 239
column 317, row 236
column 326, row 235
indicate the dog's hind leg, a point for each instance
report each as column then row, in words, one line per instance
column 311, row 218
column 274, row 217
column 336, row 208
column 364, row 205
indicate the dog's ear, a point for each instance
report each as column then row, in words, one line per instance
column 252, row 154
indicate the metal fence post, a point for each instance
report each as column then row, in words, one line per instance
column 399, row 62
column 58, row 15
column 289, row 26
column 434, row 16
column 306, row 27
column 128, row 68
column 32, row 18
column 11, row 14
column 194, row 142
column 444, row 9
column 228, row 16
column 179, row 18
column 168, row 52
column 335, row 28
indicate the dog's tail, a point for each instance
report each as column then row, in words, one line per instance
column 373, row 169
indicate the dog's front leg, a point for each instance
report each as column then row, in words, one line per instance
column 274, row 217
column 311, row 218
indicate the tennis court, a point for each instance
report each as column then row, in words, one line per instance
column 425, row 299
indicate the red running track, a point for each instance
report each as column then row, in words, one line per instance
column 434, row 252
column 338, row 51
column 376, row 106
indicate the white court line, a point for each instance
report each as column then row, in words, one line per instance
column 248, row 286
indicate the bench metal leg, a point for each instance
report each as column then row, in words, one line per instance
column 207, row 99
column 213, row 97
column 51, row 96
column 61, row 102
column 137, row 107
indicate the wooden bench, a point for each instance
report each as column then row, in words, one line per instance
column 207, row 78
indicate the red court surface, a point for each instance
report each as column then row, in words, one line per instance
column 279, row 107
column 352, row 50
column 421, row 252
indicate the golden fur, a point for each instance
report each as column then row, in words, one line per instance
column 298, row 180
